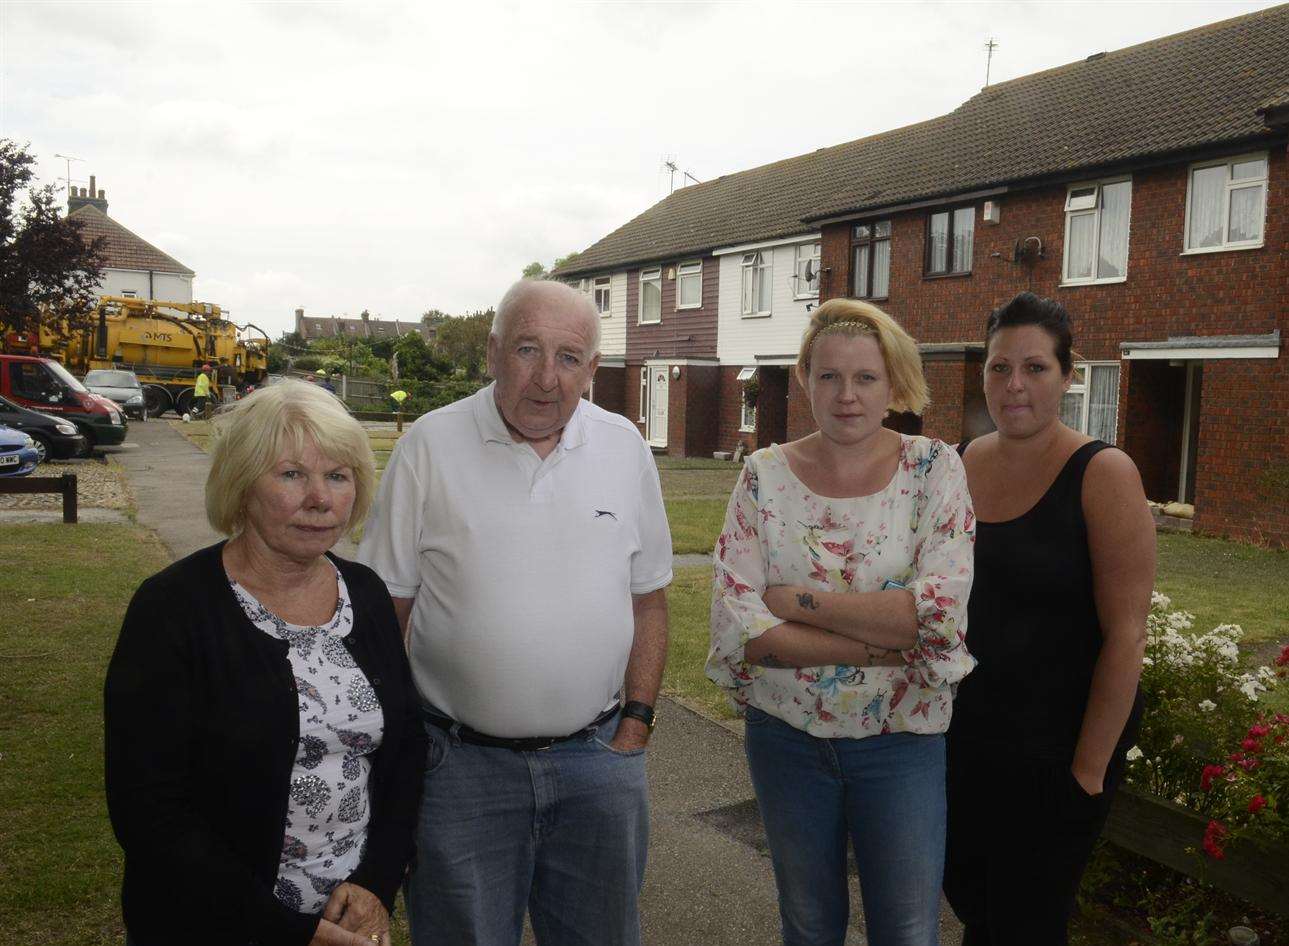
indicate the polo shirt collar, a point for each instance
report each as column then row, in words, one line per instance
column 492, row 429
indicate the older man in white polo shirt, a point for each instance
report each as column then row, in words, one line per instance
column 522, row 534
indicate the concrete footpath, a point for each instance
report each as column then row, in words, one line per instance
column 709, row 882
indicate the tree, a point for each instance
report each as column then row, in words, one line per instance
column 534, row 270
column 462, row 342
column 433, row 317
column 44, row 262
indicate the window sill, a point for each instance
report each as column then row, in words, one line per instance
column 870, row 298
column 747, row 430
column 687, row 308
column 606, row 315
column 756, row 315
column 946, row 275
column 1227, row 248
column 1075, row 283
column 649, row 322
column 808, row 295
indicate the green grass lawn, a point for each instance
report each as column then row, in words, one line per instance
column 1224, row 582
column 69, row 586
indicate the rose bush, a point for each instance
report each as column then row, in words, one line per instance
column 1206, row 741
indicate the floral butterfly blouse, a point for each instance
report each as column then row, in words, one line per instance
column 918, row 530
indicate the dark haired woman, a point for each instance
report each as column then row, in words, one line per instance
column 1065, row 562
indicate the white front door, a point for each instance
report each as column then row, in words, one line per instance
column 657, row 435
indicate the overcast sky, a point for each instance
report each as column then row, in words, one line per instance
column 342, row 156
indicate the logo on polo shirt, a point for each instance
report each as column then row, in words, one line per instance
column 605, row 512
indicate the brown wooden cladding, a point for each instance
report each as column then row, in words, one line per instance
column 688, row 333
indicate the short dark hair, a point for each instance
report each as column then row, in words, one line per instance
column 1048, row 314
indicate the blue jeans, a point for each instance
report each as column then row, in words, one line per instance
column 562, row 833
column 883, row 793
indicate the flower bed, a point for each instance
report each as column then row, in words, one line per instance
column 1215, row 760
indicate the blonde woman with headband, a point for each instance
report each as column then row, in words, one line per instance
column 837, row 628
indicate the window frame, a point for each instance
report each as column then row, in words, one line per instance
column 1226, row 246
column 870, row 241
column 748, row 266
column 649, row 275
column 1095, row 212
column 680, row 274
column 816, row 248
column 746, row 373
column 604, row 283
column 1084, row 390
column 644, row 394
column 951, row 212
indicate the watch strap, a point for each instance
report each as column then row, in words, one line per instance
column 641, row 711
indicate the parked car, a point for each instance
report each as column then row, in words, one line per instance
column 45, row 385
column 18, row 456
column 56, row 439
column 121, row 386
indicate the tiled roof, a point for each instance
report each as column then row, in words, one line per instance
column 331, row 327
column 123, row 249
column 1191, row 90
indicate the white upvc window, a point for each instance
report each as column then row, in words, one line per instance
column 1096, row 232
column 806, row 277
column 1091, row 405
column 128, row 293
column 747, row 417
column 603, row 295
column 757, row 274
column 1226, row 204
column 689, row 285
column 650, row 296
column 644, row 394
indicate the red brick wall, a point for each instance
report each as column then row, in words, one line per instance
column 699, row 392
column 609, row 393
column 1243, row 402
column 688, row 333
column 730, row 413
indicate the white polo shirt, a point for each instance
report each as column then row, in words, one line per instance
column 522, row 569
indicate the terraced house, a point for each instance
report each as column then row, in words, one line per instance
column 1147, row 189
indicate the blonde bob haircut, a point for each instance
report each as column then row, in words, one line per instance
column 275, row 422
column 899, row 351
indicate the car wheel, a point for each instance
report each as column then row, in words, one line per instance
column 42, row 448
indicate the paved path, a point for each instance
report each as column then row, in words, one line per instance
column 709, row 882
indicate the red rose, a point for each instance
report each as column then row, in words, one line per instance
column 1283, row 659
column 1249, row 764
column 1257, row 732
column 1210, row 772
column 1251, row 745
column 1256, row 804
column 1214, row 835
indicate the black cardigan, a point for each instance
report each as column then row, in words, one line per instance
column 202, row 721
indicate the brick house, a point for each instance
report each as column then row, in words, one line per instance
column 1147, row 194
column 330, row 326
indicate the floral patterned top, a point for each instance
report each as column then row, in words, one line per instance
column 341, row 723
column 917, row 530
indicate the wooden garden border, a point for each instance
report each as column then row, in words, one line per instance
column 65, row 484
column 1172, row 835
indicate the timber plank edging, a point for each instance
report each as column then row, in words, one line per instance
column 1163, row 831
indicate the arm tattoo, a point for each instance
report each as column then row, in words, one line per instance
column 807, row 601
column 774, row 663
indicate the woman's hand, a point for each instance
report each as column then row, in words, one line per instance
column 329, row 934
column 1092, row 783
column 357, row 910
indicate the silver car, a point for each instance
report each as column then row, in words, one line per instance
column 119, row 385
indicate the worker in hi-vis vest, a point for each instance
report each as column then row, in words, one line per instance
column 201, row 392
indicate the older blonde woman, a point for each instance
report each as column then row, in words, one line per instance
column 838, row 618
column 264, row 750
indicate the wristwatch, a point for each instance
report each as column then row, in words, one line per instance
column 641, row 711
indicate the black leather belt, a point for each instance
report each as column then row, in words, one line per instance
column 526, row 744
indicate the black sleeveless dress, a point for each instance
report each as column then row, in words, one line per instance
column 1021, row 828
column 1032, row 624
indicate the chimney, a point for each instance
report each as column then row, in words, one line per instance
column 299, row 323
column 80, row 197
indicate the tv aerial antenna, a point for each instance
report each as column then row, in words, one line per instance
column 990, row 46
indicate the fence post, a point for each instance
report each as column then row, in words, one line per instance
column 68, row 486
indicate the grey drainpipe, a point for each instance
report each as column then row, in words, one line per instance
column 151, row 294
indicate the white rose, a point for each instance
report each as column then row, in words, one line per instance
column 1207, row 706
column 1134, row 754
